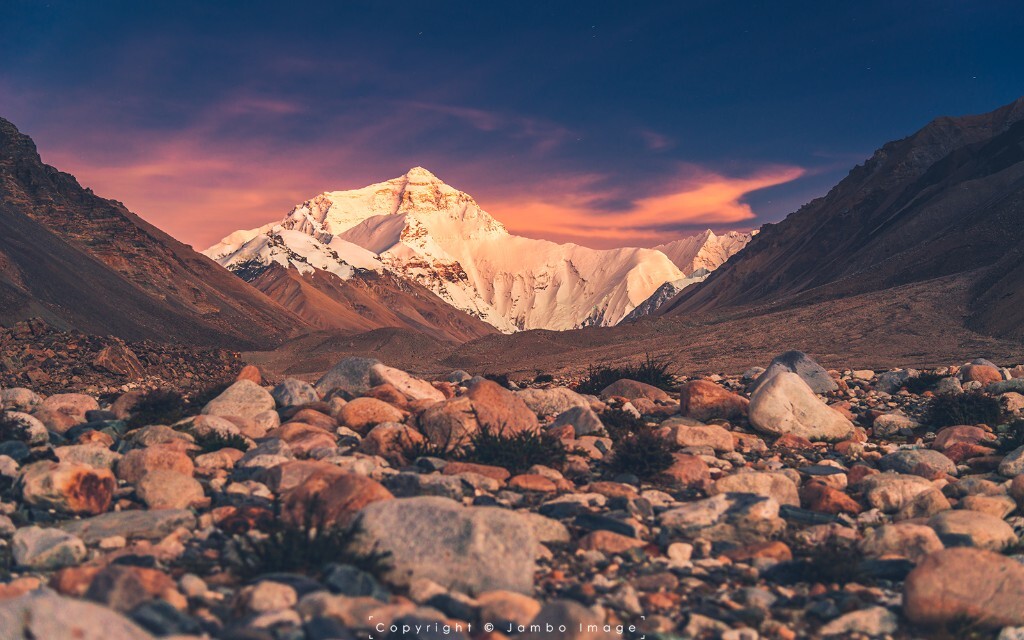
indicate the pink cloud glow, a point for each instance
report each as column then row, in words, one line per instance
column 697, row 198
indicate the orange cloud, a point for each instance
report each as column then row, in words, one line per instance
column 701, row 198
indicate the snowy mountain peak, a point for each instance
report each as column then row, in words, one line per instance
column 419, row 174
column 424, row 230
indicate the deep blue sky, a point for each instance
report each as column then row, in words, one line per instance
column 209, row 116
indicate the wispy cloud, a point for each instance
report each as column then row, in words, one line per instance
column 694, row 197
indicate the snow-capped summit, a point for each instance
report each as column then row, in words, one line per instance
column 705, row 250
column 420, row 228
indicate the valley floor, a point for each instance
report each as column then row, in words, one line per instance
column 789, row 503
column 923, row 324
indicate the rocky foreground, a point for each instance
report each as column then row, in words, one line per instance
column 786, row 503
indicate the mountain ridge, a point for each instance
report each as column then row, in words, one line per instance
column 157, row 287
column 424, row 230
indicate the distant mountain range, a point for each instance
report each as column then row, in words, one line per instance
column 427, row 233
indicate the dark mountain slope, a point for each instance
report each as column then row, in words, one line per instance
column 137, row 282
column 366, row 301
column 946, row 200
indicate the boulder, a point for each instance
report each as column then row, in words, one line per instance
column 449, row 424
column 705, row 400
column 291, row 392
column 41, row 549
column 962, row 585
column 905, row 540
column 467, row 549
column 972, row 528
column 74, row 405
column 784, row 404
column 362, row 414
column 19, row 399
column 162, row 489
column 145, row 525
column 138, row 462
column 499, row 410
column 351, row 375
column 705, row 435
column 799, row 363
column 926, row 463
column 632, row 390
column 583, row 420
column 737, row 517
column 44, row 614
column 1013, row 464
column 33, row 432
column 243, row 399
column 413, row 388
column 119, row 360
column 332, row 498
column 761, row 483
column 890, row 492
column 67, row 487
column 553, row 401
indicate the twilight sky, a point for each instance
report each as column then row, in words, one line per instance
column 604, row 123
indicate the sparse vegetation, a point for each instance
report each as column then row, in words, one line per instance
column 643, row 454
column 500, row 378
column 620, row 424
column 11, row 429
column 282, row 547
column 159, row 406
column 214, row 441
column 951, row 409
column 543, row 378
column 1013, row 437
column 925, row 381
column 654, row 371
column 516, row 452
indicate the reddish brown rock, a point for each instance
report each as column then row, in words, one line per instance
column 310, row 415
column 632, row 390
column 687, row 472
column 304, row 438
column 124, row 587
column 609, row 542
column 251, row 373
column 705, row 400
column 119, row 360
column 961, row 434
column 499, row 410
column 389, row 394
column 793, row 442
column 532, row 482
column 980, row 373
column 68, row 487
column 162, row 489
column 138, row 462
column 965, row 585
column 613, row 489
column 285, row 477
column 496, row 473
column 390, row 441
column 449, row 424
column 962, row 451
column 332, row 499
column 822, row 498
column 774, row 550
column 362, row 414
column 54, row 420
